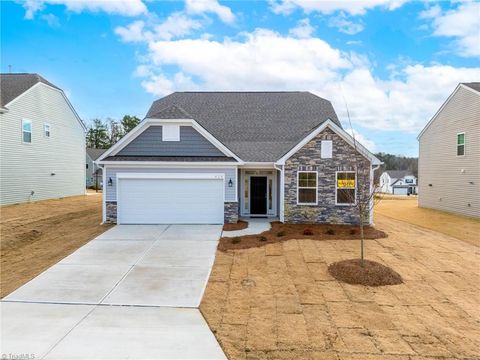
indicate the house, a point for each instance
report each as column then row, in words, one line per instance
column 398, row 182
column 42, row 151
column 210, row 157
column 449, row 154
column 94, row 175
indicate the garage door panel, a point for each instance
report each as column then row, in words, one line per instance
column 170, row 201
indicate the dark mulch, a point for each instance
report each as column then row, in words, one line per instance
column 239, row 225
column 282, row 232
column 371, row 274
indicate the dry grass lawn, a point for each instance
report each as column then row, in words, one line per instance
column 406, row 209
column 37, row 235
column 279, row 301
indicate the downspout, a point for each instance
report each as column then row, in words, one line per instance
column 282, row 190
column 372, row 176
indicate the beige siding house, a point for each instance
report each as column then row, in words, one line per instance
column 42, row 152
column 449, row 155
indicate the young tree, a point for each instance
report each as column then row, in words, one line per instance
column 97, row 135
column 128, row 123
column 115, row 132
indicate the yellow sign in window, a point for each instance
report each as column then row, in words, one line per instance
column 346, row 183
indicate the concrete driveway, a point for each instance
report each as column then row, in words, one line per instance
column 133, row 292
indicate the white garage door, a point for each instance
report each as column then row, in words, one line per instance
column 194, row 200
column 399, row 191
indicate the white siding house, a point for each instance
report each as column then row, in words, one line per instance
column 449, row 155
column 42, row 141
column 398, row 182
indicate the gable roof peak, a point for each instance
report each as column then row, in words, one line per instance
column 171, row 112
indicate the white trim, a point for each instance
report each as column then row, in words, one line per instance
column 143, row 125
column 459, row 86
column 464, row 144
column 282, row 192
column 170, row 132
column 104, row 194
column 306, row 187
column 355, row 188
column 181, row 164
column 243, row 176
column 183, row 176
column 323, row 149
column 25, row 121
column 339, row 131
column 52, row 88
column 257, row 165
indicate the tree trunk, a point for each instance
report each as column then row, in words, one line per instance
column 362, row 242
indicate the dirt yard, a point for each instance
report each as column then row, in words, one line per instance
column 279, row 301
column 37, row 235
column 406, row 209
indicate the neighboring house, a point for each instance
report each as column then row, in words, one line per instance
column 398, row 182
column 42, row 152
column 449, row 154
column 210, row 157
column 94, row 174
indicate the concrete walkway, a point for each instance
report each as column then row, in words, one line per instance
column 133, row 293
column 255, row 226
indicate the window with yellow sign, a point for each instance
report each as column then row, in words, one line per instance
column 345, row 188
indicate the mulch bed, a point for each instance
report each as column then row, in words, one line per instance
column 283, row 232
column 239, row 225
column 371, row 274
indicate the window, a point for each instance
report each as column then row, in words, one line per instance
column 170, row 133
column 345, row 188
column 307, row 188
column 326, row 149
column 26, row 131
column 46, row 130
column 461, row 144
column 409, row 181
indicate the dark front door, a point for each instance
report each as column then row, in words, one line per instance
column 258, row 197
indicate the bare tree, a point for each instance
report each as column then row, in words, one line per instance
column 366, row 194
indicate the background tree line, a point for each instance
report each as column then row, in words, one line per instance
column 103, row 134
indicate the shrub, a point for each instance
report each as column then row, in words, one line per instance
column 353, row 232
column 263, row 238
column 330, row 232
column 280, row 233
column 308, row 232
column 236, row 240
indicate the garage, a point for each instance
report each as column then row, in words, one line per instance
column 170, row 198
column 400, row 190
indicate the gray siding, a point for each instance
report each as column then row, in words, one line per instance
column 149, row 143
column 455, row 179
column 28, row 167
column 111, row 172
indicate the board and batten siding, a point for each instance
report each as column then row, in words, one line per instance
column 111, row 172
column 149, row 143
column 29, row 167
column 446, row 181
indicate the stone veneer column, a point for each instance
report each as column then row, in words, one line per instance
column 231, row 212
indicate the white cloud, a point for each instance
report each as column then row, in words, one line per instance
column 343, row 24
column 352, row 7
column 461, row 23
column 210, row 6
column 303, row 29
column 120, row 7
column 369, row 144
column 51, row 20
column 175, row 26
column 265, row 60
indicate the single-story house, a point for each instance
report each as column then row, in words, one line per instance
column 398, row 182
column 94, row 175
column 210, row 157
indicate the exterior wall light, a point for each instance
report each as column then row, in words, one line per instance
column 230, row 183
column 110, row 181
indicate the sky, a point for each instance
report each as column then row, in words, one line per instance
column 390, row 63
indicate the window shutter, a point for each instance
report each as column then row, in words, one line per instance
column 326, row 149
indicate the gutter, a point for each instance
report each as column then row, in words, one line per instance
column 282, row 190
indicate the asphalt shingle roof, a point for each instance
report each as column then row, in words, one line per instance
column 13, row 85
column 95, row 153
column 473, row 85
column 256, row 126
column 397, row 174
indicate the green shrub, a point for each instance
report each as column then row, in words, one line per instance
column 330, row 232
column 308, row 232
column 280, row 233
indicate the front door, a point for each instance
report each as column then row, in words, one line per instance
column 258, row 198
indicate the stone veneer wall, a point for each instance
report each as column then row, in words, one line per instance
column 231, row 212
column 326, row 211
column 111, row 212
